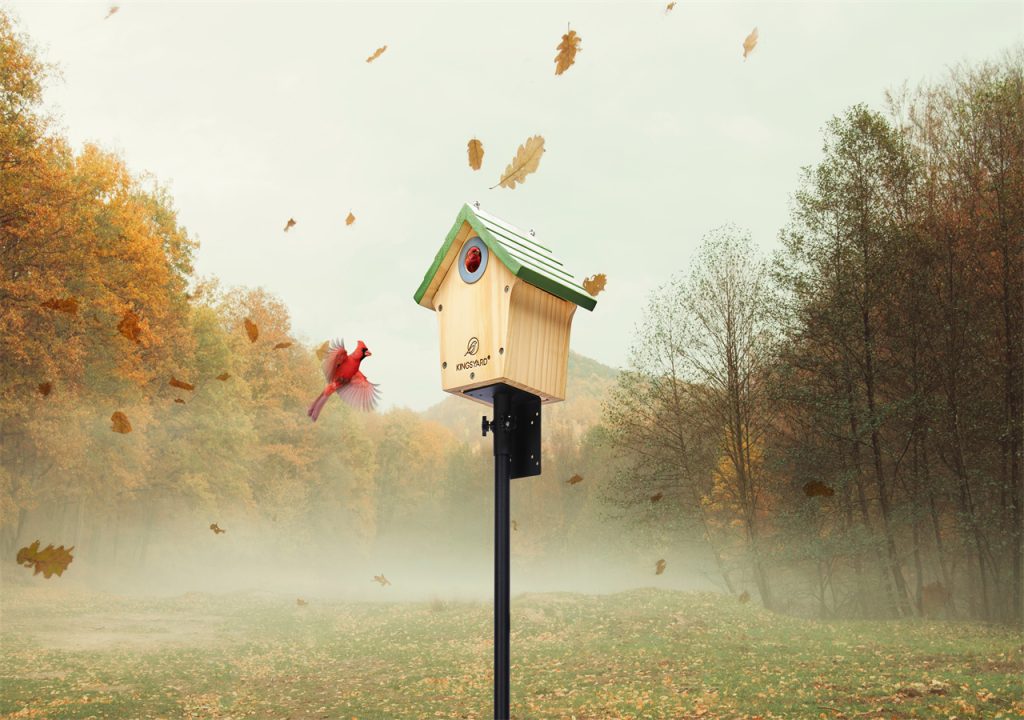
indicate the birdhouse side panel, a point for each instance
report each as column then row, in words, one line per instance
column 537, row 354
column 473, row 318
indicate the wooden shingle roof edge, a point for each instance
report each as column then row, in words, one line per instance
column 522, row 255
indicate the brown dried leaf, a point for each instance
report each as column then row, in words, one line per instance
column 290, row 224
column 526, row 161
column 668, row 8
column 377, row 53
column 300, row 602
column 381, row 579
column 515, row 526
column 750, row 43
column 282, row 345
column 252, row 330
column 223, row 376
column 179, row 401
column 51, row 561
column 475, row 148
column 350, row 219
column 216, row 529
column 129, row 326
column 119, row 423
column 181, row 384
column 744, row 597
column 45, row 388
column 595, row 284
column 659, row 567
column 68, row 305
column 575, row 479
column 816, row 488
column 657, row 496
column 567, row 50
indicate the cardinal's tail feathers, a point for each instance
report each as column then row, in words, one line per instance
column 317, row 406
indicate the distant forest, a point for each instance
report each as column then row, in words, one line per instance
column 835, row 430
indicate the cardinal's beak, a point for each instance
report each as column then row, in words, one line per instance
column 367, row 353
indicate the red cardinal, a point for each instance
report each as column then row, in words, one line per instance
column 341, row 371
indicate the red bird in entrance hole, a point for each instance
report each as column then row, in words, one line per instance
column 341, row 371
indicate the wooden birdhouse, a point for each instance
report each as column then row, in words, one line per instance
column 504, row 306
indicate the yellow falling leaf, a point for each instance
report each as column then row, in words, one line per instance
column 223, row 376
column 181, row 384
column 129, row 326
column 567, row 50
column 289, row 225
column 595, row 283
column 575, row 479
column 475, row 148
column 377, row 53
column 526, row 161
column 282, row 345
column 113, row 9
column 50, row 561
column 668, row 8
column 381, row 579
column 659, row 567
column 252, row 330
column 350, row 219
column 656, row 497
column 119, row 423
column 750, row 43
column 321, row 352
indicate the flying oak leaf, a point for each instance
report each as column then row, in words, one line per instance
column 381, row 579
column 223, row 376
column 290, row 224
column 68, row 305
column 179, row 401
column 129, row 326
column 377, row 53
column 577, row 478
column 282, row 345
column 668, row 8
column 744, row 597
column 567, row 50
column 515, row 526
column 113, row 9
column 216, row 529
column 657, row 496
column 51, row 561
column 350, row 219
column 181, row 384
column 749, row 43
column 659, row 567
column 252, row 330
column 595, row 284
column 45, row 388
column 321, row 352
column 300, row 602
column 816, row 488
column 475, row 148
column 526, row 161
column 119, row 423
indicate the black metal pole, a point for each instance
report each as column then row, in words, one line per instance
column 502, row 476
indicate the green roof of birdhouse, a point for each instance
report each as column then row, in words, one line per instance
column 518, row 251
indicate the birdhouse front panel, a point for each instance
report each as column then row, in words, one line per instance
column 504, row 306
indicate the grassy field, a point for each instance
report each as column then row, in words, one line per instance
column 641, row 654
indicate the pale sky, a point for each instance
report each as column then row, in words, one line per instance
column 252, row 113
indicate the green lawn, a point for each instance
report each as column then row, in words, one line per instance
column 640, row 654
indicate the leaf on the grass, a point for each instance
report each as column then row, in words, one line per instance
column 381, row 579
column 595, row 284
column 567, row 50
column 526, row 161
column 51, row 561
column 223, row 376
column 216, row 529
column 119, row 423
column 475, row 148
column 744, row 597
column 113, row 9
column 252, row 330
column 282, row 345
column 577, row 478
column 68, row 305
column 657, row 496
column 179, row 401
column 377, row 53
column 300, row 602
column 659, row 567
column 749, row 43
column 129, row 326
column 350, row 219
column 816, row 488
column 321, row 352
column 290, row 224
column 45, row 388
column 181, row 384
